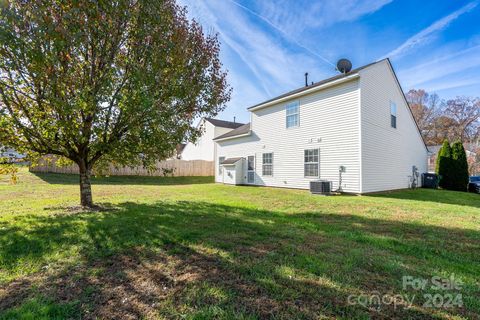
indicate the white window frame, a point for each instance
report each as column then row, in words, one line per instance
column 305, row 163
column 292, row 109
column 267, row 164
column 393, row 115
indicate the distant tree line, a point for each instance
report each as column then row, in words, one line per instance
column 439, row 119
column 456, row 119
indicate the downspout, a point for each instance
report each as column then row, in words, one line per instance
column 360, row 152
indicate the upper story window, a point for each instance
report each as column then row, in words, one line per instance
column 393, row 114
column 311, row 163
column 293, row 114
column 267, row 164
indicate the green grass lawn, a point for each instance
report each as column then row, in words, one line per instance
column 186, row 248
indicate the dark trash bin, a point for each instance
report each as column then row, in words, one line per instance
column 429, row 180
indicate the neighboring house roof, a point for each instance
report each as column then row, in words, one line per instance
column 434, row 149
column 10, row 153
column 224, row 124
column 469, row 149
column 471, row 146
column 230, row 161
column 180, row 147
column 242, row 130
column 316, row 84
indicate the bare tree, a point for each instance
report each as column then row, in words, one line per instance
column 426, row 109
column 465, row 111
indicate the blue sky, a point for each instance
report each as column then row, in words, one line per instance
column 268, row 45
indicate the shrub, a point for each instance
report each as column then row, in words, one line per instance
column 444, row 165
column 459, row 180
column 8, row 168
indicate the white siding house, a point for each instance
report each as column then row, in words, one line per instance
column 308, row 134
column 204, row 147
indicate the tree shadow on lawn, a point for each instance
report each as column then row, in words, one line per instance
column 73, row 179
column 216, row 261
column 434, row 196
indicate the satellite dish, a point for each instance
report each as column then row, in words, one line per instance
column 344, row 65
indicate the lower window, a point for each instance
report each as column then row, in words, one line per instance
column 267, row 164
column 311, row 161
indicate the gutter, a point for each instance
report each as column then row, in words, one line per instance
column 304, row 92
column 233, row 137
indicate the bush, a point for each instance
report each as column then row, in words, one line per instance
column 459, row 180
column 444, row 165
column 9, row 169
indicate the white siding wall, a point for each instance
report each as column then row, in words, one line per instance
column 329, row 121
column 220, row 130
column 388, row 154
column 204, row 148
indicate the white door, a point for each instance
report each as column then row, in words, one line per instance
column 251, row 169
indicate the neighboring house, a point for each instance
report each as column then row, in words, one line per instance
column 469, row 151
column 179, row 150
column 356, row 127
column 11, row 154
column 204, row 148
column 432, row 157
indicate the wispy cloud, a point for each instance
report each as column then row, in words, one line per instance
column 267, row 45
column 263, row 66
column 461, row 61
column 283, row 32
column 426, row 34
column 209, row 19
column 299, row 15
column 451, row 84
column 258, row 49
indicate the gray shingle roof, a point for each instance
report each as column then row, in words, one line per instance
column 230, row 160
column 224, row 124
column 316, row 84
column 240, row 130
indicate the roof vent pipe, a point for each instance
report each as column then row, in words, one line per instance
column 234, row 119
column 306, row 79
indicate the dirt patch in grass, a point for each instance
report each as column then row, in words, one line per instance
column 136, row 285
column 259, row 250
column 146, row 285
column 77, row 209
column 16, row 292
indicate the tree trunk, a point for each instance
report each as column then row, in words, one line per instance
column 85, row 186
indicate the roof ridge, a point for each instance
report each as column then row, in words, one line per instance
column 235, row 132
column 318, row 83
column 224, row 123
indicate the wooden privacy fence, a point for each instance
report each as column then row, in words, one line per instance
column 177, row 168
